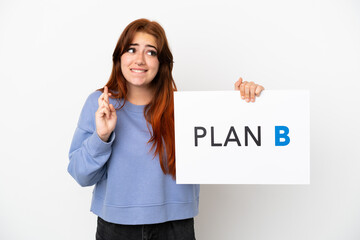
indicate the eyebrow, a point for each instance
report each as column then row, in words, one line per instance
column 147, row 45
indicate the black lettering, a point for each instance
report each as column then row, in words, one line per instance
column 212, row 139
column 235, row 139
column 248, row 131
column 199, row 136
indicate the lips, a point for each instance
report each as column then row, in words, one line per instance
column 138, row 70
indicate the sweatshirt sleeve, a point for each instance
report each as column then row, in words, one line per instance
column 88, row 153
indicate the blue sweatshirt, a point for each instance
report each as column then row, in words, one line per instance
column 130, row 187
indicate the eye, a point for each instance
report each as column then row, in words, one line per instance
column 152, row 53
column 131, row 50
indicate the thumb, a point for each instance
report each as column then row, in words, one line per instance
column 112, row 109
column 238, row 83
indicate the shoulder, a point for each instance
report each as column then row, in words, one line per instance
column 94, row 96
column 91, row 103
column 92, row 99
column 87, row 116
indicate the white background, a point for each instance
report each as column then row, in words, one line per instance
column 53, row 54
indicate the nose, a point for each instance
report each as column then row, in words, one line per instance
column 139, row 60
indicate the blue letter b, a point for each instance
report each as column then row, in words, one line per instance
column 283, row 135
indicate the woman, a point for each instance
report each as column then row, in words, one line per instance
column 124, row 143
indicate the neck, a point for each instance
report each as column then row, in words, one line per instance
column 139, row 95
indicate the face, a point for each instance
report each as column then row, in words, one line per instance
column 139, row 64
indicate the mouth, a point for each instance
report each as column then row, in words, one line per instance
column 138, row 70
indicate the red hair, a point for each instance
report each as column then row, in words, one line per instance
column 159, row 113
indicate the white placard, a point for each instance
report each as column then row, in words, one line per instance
column 221, row 139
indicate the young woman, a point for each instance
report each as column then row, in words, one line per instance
column 124, row 143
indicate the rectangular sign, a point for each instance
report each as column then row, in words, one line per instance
column 221, row 139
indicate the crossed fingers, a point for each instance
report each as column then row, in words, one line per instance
column 104, row 103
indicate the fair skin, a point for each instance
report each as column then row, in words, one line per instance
column 139, row 65
column 248, row 90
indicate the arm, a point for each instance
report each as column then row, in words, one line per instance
column 88, row 152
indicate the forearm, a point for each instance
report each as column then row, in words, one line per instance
column 88, row 157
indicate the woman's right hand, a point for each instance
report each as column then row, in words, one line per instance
column 105, row 116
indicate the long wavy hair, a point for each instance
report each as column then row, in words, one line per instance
column 159, row 113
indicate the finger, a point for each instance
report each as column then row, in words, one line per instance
column 242, row 89
column 106, row 111
column 247, row 92
column 105, row 102
column 252, row 92
column 101, row 113
column 112, row 109
column 100, row 99
column 238, row 83
column 105, row 105
column 258, row 90
column 106, row 94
